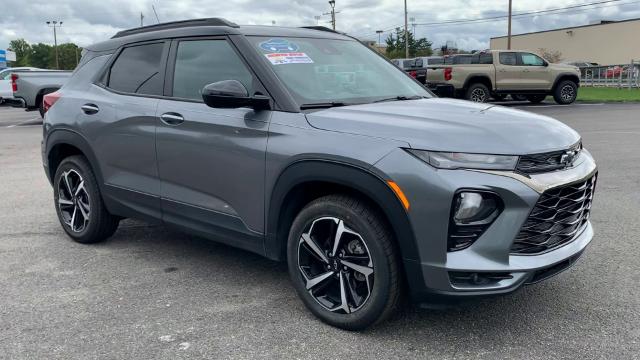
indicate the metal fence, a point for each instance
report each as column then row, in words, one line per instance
column 620, row 76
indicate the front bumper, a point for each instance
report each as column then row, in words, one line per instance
column 488, row 261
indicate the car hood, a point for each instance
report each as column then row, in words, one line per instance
column 450, row 125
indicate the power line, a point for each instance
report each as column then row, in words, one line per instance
column 522, row 14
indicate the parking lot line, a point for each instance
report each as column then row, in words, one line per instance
column 25, row 123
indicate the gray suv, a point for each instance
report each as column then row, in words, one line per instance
column 302, row 144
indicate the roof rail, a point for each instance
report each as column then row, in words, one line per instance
column 175, row 25
column 319, row 28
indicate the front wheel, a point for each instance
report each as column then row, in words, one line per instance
column 565, row 92
column 343, row 263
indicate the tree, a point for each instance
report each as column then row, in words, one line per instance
column 67, row 56
column 22, row 49
column 396, row 45
column 553, row 56
column 42, row 56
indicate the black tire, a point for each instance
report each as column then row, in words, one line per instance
column 517, row 97
column 566, row 92
column 536, row 99
column 478, row 93
column 383, row 296
column 98, row 224
column 41, row 108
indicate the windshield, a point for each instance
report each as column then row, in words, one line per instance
column 335, row 71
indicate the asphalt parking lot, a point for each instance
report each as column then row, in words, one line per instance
column 150, row 292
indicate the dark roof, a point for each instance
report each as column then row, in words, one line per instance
column 208, row 27
column 602, row 23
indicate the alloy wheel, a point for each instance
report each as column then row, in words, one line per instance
column 336, row 265
column 478, row 95
column 567, row 93
column 73, row 201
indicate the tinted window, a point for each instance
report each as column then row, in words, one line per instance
column 436, row 61
column 486, row 58
column 202, row 62
column 137, row 70
column 462, row 59
column 508, row 58
column 531, row 60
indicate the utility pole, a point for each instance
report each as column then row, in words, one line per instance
column 406, row 31
column 317, row 17
column 141, row 20
column 55, row 24
column 332, row 3
column 509, row 28
column 413, row 25
column 379, row 32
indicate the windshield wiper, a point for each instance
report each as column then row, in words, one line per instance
column 322, row 105
column 400, row 98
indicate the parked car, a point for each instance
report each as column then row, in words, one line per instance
column 29, row 88
column 414, row 67
column 306, row 146
column 6, row 93
column 496, row 73
column 614, row 72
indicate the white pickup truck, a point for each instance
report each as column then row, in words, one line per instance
column 29, row 88
column 6, row 92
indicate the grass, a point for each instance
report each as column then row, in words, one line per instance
column 601, row 94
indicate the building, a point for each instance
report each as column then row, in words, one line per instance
column 381, row 48
column 605, row 43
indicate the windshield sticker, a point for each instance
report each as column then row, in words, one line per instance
column 279, row 46
column 289, row 58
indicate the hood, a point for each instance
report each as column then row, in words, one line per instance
column 450, row 125
column 565, row 67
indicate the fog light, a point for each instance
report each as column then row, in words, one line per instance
column 475, row 208
column 473, row 212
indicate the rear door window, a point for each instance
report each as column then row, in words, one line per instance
column 508, row 58
column 138, row 70
column 202, row 62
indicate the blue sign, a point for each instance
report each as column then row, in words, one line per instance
column 3, row 56
column 279, row 46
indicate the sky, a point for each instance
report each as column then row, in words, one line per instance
column 89, row 21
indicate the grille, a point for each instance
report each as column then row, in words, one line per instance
column 556, row 219
column 549, row 161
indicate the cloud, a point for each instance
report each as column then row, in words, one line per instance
column 89, row 21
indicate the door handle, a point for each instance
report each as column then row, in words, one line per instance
column 90, row 109
column 172, row 118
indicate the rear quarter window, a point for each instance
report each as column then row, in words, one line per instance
column 137, row 70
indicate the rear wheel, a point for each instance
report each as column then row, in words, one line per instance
column 342, row 262
column 478, row 93
column 78, row 202
column 536, row 99
column 565, row 92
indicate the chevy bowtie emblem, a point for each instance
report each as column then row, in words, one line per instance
column 567, row 158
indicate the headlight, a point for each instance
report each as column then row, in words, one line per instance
column 452, row 160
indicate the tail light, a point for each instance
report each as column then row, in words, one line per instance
column 413, row 74
column 50, row 99
column 448, row 72
column 14, row 84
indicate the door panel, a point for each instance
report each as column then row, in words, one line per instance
column 535, row 75
column 508, row 73
column 214, row 161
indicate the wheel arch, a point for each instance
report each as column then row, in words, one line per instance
column 566, row 76
column 63, row 143
column 478, row 78
column 304, row 181
column 40, row 95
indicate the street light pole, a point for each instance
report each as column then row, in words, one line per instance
column 332, row 3
column 55, row 24
column 509, row 28
column 379, row 32
column 406, row 31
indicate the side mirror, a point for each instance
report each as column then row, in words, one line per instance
column 231, row 94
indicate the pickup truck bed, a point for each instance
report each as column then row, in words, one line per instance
column 32, row 86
